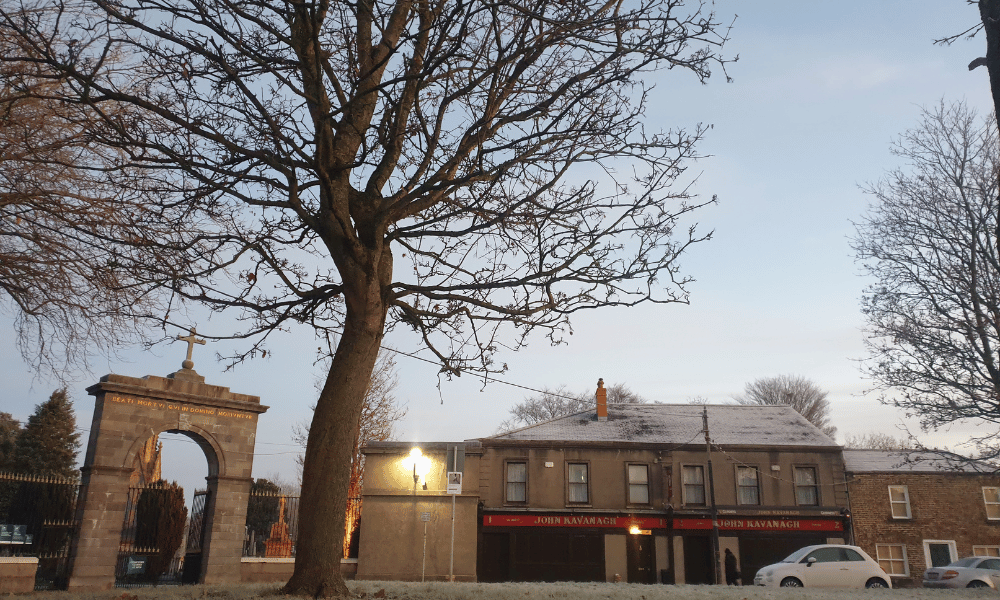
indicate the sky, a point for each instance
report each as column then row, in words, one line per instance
column 820, row 91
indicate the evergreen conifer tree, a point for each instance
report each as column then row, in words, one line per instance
column 9, row 430
column 49, row 442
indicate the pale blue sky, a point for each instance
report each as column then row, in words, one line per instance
column 819, row 92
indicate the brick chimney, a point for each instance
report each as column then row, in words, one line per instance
column 602, row 401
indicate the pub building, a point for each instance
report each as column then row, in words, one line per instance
column 617, row 493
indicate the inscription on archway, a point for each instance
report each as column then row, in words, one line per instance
column 127, row 412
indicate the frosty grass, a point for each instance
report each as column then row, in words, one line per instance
column 397, row 590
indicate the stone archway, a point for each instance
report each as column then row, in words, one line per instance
column 127, row 411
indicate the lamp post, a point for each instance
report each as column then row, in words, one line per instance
column 421, row 466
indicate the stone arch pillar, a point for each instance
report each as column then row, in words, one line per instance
column 127, row 411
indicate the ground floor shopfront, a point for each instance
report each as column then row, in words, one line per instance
column 522, row 546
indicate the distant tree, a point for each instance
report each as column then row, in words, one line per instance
column 262, row 512
column 379, row 415
column 796, row 391
column 9, row 430
column 160, row 518
column 49, row 442
column 875, row 440
column 933, row 311
column 559, row 402
column 68, row 273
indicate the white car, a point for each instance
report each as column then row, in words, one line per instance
column 828, row 565
column 974, row 571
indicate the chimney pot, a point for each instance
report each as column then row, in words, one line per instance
column 602, row 401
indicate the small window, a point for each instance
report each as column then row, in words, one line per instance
column 694, row 485
column 899, row 501
column 517, row 482
column 986, row 551
column 747, row 487
column 939, row 553
column 806, row 488
column 578, row 481
column 638, row 484
column 991, row 496
column 892, row 559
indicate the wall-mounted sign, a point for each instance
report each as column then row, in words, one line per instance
column 573, row 521
column 455, row 482
column 763, row 524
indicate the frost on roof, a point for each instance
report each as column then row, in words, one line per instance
column 910, row 461
column 680, row 424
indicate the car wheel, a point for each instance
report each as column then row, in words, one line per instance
column 875, row 582
column 790, row 582
column 978, row 584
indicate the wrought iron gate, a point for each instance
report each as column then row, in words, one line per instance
column 195, row 538
column 152, row 532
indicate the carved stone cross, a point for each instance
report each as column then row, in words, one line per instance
column 191, row 341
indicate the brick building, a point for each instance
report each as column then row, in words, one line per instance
column 614, row 492
column 916, row 510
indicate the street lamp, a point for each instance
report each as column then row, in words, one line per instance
column 421, row 466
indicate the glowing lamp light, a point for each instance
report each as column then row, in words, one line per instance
column 634, row 530
column 420, row 464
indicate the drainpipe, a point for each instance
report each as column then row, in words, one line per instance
column 711, row 495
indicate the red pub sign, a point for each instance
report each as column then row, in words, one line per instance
column 727, row 524
column 573, row 521
column 762, row 524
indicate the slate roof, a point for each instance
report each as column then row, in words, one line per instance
column 895, row 461
column 728, row 424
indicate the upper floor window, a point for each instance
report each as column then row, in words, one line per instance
column 694, row 484
column 806, row 487
column 747, row 486
column 517, row 482
column 899, row 501
column 638, row 484
column 991, row 496
column 578, row 482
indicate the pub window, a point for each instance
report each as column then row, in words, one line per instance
column 747, row 486
column 892, row 559
column 578, row 481
column 806, row 488
column 986, row 551
column 991, row 496
column 899, row 501
column 517, row 482
column 638, row 484
column 694, row 484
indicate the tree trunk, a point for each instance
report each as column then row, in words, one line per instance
column 326, row 472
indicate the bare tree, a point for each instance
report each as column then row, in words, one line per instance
column 69, row 272
column 933, row 311
column 989, row 24
column 549, row 404
column 474, row 171
column 876, row 440
column 802, row 394
column 379, row 416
